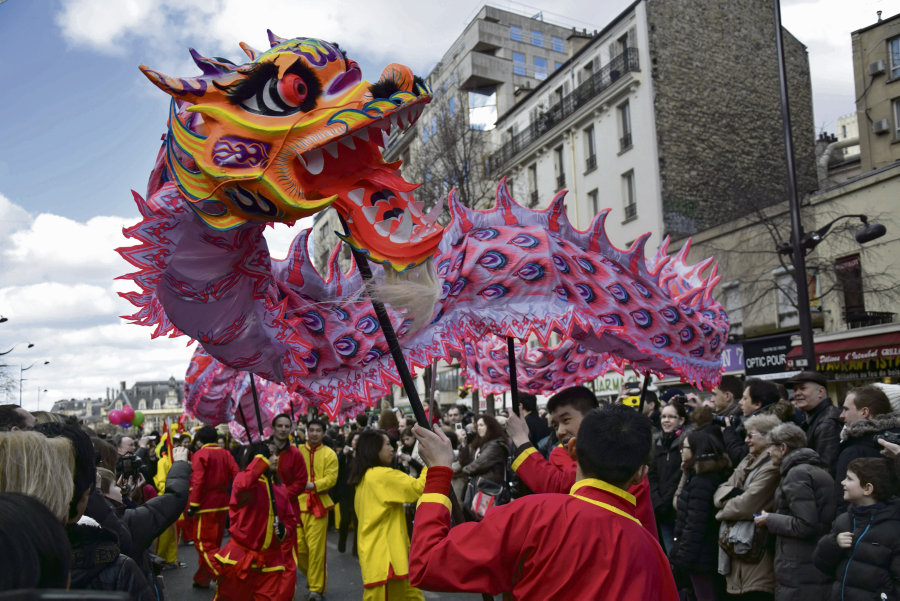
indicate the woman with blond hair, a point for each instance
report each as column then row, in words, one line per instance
column 40, row 467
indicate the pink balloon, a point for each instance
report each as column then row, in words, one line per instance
column 127, row 413
column 115, row 417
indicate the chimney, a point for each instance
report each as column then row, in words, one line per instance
column 123, row 385
column 878, row 12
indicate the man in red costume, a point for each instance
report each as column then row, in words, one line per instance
column 253, row 561
column 292, row 473
column 587, row 544
column 213, row 471
column 566, row 408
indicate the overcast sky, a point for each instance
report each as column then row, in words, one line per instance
column 80, row 128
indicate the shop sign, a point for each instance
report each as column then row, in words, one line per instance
column 766, row 355
column 860, row 364
column 733, row 357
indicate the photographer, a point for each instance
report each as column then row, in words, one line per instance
column 759, row 397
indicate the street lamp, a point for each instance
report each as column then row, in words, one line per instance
column 30, row 345
column 867, row 233
column 801, row 243
column 21, row 379
column 39, row 390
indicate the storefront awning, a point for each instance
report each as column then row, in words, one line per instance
column 857, row 358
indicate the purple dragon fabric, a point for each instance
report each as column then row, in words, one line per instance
column 204, row 269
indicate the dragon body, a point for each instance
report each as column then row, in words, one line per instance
column 204, row 269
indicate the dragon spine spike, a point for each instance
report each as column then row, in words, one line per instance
column 558, row 221
column 251, row 52
column 274, row 40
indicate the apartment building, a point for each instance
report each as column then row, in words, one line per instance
column 876, row 74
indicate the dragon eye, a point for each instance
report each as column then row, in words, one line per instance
column 264, row 93
column 292, row 89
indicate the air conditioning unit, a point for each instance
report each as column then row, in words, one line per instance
column 881, row 126
column 876, row 68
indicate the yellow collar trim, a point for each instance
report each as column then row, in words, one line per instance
column 602, row 485
column 609, row 507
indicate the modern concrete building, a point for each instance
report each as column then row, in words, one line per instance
column 876, row 71
column 669, row 116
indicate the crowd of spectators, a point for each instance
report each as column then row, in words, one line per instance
column 755, row 492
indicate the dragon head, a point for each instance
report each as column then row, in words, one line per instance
column 293, row 131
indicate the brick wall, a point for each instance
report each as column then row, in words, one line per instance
column 718, row 114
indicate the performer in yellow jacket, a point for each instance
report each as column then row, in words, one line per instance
column 382, row 539
column 322, row 471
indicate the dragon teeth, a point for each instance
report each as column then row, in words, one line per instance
column 435, row 212
column 332, row 149
column 416, row 207
column 371, row 213
column 357, row 196
column 314, row 161
column 362, row 134
column 348, row 142
column 404, row 231
column 383, row 227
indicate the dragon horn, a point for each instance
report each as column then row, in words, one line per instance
column 250, row 52
column 274, row 40
column 181, row 88
column 211, row 66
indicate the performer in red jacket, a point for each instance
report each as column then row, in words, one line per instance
column 587, row 544
column 566, row 408
column 253, row 561
column 292, row 473
column 213, row 471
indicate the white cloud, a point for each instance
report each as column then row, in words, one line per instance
column 64, row 301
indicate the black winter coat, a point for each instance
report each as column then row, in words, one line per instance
column 696, row 529
column 664, row 474
column 490, row 462
column 871, row 567
column 860, row 442
column 823, row 432
column 803, row 511
column 97, row 564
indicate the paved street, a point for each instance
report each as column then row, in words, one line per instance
column 344, row 580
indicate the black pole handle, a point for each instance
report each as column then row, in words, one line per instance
column 513, row 383
column 390, row 336
column 644, row 388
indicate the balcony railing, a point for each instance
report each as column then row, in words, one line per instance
column 603, row 78
column 534, row 199
column 631, row 211
column 625, row 142
column 861, row 319
column 561, row 181
column 590, row 164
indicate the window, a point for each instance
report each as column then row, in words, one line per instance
column 532, row 185
column 156, row 404
column 849, row 278
column 896, row 106
column 537, row 38
column 540, row 67
column 843, row 131
column 590, row 152
column 518, row 63
column 559, row 168
column 425, row 134
column 733, row 306
column 629, row 199
column 448, row 380
column 787, row 298
column 483, row 108
column 894, row 57
column 594, row 201
column 558, row 44
column 515, row 33
column 451, row 105
column 624, row 111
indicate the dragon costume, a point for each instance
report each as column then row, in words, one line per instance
column 296, row 130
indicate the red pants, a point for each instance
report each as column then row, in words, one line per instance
column 289, row 580
column 251, row 585
column 208, row 531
